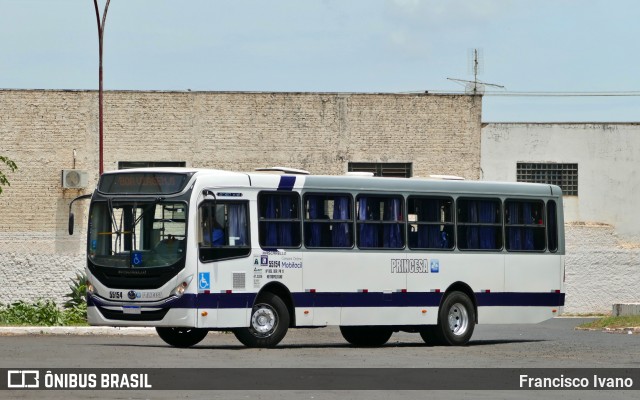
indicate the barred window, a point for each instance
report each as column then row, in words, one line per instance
column 564, row 175
column 150, row 164
column 392, row 170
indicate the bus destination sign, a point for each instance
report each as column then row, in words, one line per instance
column 143, row 183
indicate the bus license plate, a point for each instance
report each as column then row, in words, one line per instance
column 131, row 310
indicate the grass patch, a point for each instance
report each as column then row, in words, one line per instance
column 586, row 315
column 42, row 313
column 613, row 322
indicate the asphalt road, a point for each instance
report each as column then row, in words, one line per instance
column 552, row 344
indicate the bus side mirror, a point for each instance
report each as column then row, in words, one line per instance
column 71, row 216
column 71, row 220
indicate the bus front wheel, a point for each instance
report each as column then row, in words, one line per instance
column 268, row 325
column 366, row 336
column 181, row 337
column 456, row 320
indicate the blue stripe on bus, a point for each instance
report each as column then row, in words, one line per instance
column 286, row 182
column 370, row 299
column 551, row 299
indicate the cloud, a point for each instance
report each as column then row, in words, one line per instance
column 450, row 10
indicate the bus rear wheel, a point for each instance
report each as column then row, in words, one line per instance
column 181, row 337
column 366, row 336
column 456, row 320
column 268, row 325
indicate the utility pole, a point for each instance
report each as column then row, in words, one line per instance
column 100, row 94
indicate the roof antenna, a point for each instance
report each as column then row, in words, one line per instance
column 476, row 67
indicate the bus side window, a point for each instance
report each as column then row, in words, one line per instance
column 524, row 225
column 224, row 230
column 552, row 226
column 479, row 224
column 380, row 222
column 328, row 221
column 431, row 220
column 279, row 220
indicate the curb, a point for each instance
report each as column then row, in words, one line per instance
column 75, row 330
column 627, row 331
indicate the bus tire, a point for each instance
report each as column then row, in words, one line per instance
column 268, row 324
column 456, row 320
column 366, row 336
column 181, row 337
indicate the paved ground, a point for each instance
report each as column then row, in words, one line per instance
column 553, row 344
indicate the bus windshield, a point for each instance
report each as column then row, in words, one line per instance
column 137, row 234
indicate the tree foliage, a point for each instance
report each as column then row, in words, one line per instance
column 3, row 178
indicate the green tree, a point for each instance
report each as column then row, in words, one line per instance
column 3, row 178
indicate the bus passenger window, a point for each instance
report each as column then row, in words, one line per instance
column 279, row 220
column 524, row 225
column 328, row 221
column 431, row 223
column 380, row 222
column 552, row 226
column 479, row 224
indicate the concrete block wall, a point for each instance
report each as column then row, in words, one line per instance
column 320, row 132
column 601, row 268
column 313, row 131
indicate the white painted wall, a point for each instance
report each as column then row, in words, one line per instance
column 603, row 221
column 608, row 157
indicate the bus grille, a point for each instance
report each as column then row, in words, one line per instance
column 143, row 316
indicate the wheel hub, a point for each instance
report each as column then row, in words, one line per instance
column 458, row 319
column 264, row 320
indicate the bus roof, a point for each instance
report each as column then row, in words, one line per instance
column 266, row 180
column 429, row 185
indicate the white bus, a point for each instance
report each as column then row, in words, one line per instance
column 190, row 251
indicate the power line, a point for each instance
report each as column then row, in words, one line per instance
column 546, row 94
column 564, row 94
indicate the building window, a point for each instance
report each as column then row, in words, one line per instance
column 391, row 170
column 150, row 164
column 562, row 174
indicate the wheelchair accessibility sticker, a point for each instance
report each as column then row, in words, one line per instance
column 136, row 258
column 204, row 281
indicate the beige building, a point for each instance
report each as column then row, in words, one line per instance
column 46, row 132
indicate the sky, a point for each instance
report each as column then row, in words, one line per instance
column 527, row 46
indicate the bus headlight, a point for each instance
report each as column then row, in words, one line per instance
column 90, row 288
column 179, row 290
